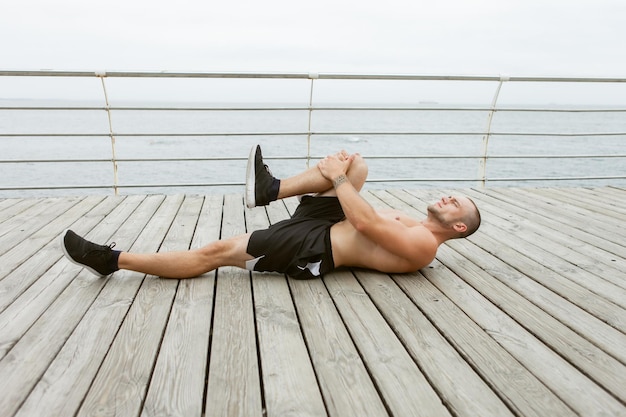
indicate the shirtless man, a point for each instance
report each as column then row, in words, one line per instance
column 333, row 227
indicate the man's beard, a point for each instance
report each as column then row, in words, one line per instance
column 437, row 215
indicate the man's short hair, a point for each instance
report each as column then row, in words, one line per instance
column 471, row 220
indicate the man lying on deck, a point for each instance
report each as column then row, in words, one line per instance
column 333, row 226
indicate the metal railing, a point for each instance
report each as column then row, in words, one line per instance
column 309, row 131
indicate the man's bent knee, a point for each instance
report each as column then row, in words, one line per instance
column 358, row 172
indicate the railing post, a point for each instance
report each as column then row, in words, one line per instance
column 102, row 75
column 482, row 170
column 312, row 76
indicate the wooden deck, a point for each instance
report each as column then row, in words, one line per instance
column 525, row 318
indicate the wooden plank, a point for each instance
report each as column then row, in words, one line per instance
column 177, row 384
column 576, row 349
column 603, row 264
column 511, row 381
column 9, row 208
column 50, row 332
column 289, row 381
column 234, row 381
column 343, row 378
column 291, row 204
column 26, row 248
column 121, row 383
column 519, row 206
column 600, row 366
column 62, row 388
column 561, row 240
column 544, row 267
column 559, row 267
column 519, row 388
column 42, row 342
column 234, row 385
column 591, row 206
column 575, row 388
column 564, row 243
column 615, row 198
column 30, row 271
column 6, row 203
column 568, row 281
column 460, row 388
column 614, row 207
column 599, row 333
column 404, row 388
column 26, row 305
column 26, row 222
column 567, row 214
column 517, row 334
column 592, row 221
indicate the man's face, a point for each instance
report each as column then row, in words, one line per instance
column 449, row 210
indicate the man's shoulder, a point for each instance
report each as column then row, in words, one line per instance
column 422, row 240
column 418, row 247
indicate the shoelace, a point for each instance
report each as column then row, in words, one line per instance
column 102, row 248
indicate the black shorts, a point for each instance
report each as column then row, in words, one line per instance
column 300, row 246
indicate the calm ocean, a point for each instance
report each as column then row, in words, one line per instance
column 156, row 142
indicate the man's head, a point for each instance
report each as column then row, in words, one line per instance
column 458, row 214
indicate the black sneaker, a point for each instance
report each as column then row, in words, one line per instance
column 100, row 260
column 261, row 186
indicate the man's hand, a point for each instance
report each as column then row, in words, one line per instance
column 333, row 166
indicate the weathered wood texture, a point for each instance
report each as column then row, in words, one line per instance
column 525, row 318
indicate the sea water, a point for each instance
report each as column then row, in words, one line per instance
column 428, row 134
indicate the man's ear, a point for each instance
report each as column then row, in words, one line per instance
column 460, row 227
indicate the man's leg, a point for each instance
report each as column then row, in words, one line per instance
column 102, row 260
column 188, row 264
column 310, row 181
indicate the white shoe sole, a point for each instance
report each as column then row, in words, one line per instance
column 251, row 179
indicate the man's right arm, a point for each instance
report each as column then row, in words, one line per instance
column 410, row 243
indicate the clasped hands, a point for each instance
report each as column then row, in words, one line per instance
column 335, row 165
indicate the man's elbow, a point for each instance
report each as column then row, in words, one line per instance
column 365, row 224
column 364, row 220
column 361, row 226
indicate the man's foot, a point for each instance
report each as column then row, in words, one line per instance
column 100, row 260
column 261, row 186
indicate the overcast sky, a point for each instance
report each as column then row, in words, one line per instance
column 465, row 37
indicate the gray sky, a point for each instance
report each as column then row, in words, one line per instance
column 465, row 37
